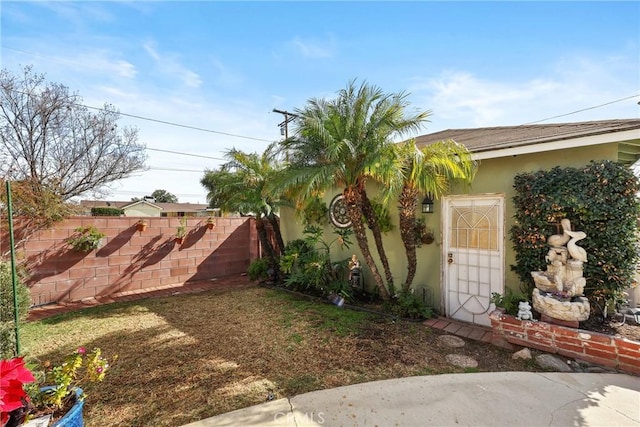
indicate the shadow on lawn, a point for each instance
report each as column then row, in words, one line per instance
column 197, row 356
column 165, row 376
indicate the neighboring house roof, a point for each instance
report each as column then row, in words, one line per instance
column 167, row 207
column 183, row 207
column 103, row 204
column 503, row 141
column 141, row 202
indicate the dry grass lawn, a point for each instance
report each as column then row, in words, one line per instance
column 188, row 357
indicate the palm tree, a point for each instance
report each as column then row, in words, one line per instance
column 342, row 143
column 432, row 170
column 239, row 186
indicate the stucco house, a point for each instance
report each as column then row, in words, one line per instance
column 472, row 252
column 150, row 208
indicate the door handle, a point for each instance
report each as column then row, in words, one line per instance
column 449, row 258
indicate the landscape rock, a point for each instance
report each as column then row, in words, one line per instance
column 548, row 361
column 451, row 341
column 524, row 354
column 461, row 361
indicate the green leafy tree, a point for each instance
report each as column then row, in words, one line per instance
column 345, row 142
column 239, row 186
column 163, row 196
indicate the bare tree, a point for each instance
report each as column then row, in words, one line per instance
column 48, row 137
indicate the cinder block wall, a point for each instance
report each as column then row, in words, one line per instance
column 129, row 259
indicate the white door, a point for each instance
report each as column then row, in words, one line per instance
column 473, row 243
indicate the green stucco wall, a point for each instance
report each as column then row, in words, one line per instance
column 495, row 176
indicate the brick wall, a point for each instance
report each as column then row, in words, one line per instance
column 593, row 347
column 130, row 259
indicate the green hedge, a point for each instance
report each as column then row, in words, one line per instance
column 599, row 199
column 105, row 211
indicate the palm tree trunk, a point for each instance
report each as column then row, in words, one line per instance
column 268, row 248
column 407, row 203
column 275, row 224
column 370, row 215
column 354, row 210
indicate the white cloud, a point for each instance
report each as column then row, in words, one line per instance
column 462, row 99
column 169, row 65
column 79, row 13
column 314, row 48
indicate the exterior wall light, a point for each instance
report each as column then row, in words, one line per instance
column 427, row 204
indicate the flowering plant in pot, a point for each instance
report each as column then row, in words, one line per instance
column 48, row 395
column 142, row 225
column 181, row 231
column 211, row 223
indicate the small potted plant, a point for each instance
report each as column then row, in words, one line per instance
column 181, row 231
column 86, row 239
column 48, row 395
column 423, row 234
column 211, row 223
column 142, row 225
column 507, row 302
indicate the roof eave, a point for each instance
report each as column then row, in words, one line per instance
column 539, row 147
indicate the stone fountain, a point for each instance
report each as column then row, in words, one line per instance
column 559, row 290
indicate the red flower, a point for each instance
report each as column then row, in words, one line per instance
column 13, row 375
column 82, row 350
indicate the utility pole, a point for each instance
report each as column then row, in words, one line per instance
column 284, row 126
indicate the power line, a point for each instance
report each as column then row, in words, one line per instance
column 142, row 117
column 584, row 109
column 185, row 154
column 164, row 122
column 501, row 130
column 142, row 193
column 174, row 170
column 288, row 117
column 167, row 123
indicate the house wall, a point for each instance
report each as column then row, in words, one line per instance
column 142, row 209
column 130, row 259
column 495, row 176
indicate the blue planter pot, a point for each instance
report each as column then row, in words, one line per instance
column 73, row 418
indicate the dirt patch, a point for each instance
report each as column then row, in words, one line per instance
column 628, row 329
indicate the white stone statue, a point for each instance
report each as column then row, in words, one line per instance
column 559, row 290
column 576, row 252
column 524, row 311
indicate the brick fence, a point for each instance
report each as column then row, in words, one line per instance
column 130, row 259
column 580, row 344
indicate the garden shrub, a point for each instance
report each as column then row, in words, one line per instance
column 510, row 300
column 315, row 212
column 383, row 218
column 86, row 239
column 406, row 304
column 303, row 265
column 307, row 263
column 7, row 325
column 106, row 211
column 599, row 199
column 258, row 270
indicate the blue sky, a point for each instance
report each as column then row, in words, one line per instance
column 224, row 66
